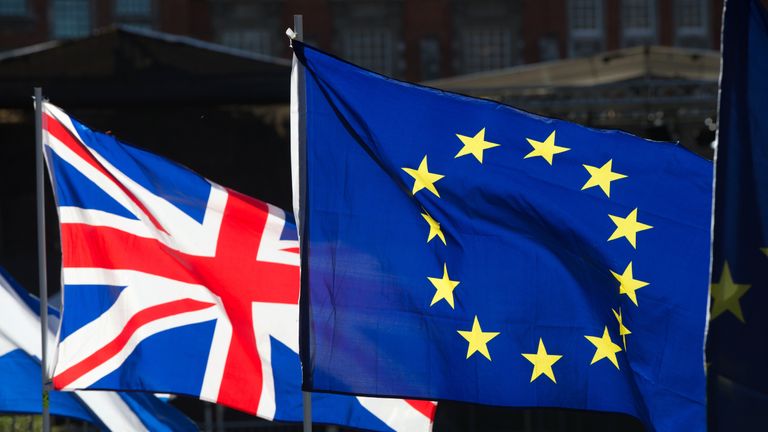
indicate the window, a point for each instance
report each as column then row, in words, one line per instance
column 133, row 8
column 257, row 41
column 586, row 15
column 71, row 18
column 429, row 48
column 691, row 23
column 690, row 13
column 549, row 48
column 486, row 49
column 136, row 13
column 370, row 48
column 585, row 20
column 637, row 14
column 248, row 25
column 13, row 7
column 638, row 19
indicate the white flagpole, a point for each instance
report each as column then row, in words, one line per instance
column 298, row 124
column 42, row 270
column 297, row 140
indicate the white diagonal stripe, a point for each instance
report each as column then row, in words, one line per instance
column 217, row 360
column 6, row 346
column 145, row 331
column 77, row 215
column 20, row 329
column 182, row 232
column 280, row 321
column 112, row 411
column 397, row 414
column 142, row 290
column 272, row 248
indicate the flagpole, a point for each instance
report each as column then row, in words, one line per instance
column 41, row 255
column 208, row 417
column 298, row 129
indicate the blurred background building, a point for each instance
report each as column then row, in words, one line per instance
column 205, row 82
column 429, row 40
column 415, row 40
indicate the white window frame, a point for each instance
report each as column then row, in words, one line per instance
column 585, row 35
column 581, row 33
column 650, row 32
column 688, row 31
column 471, row 62
column 355, row 39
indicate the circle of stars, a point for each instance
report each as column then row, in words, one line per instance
column 726, row 292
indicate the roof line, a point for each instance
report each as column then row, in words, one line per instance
column 152, row 34
column 30, row 49
column 552, row 89
column 636, row 51
column 197, row 43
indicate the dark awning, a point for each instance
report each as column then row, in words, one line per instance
column 123, row 65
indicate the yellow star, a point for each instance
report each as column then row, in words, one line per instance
column 628, row 227
column 546, row 149
column 764, row 250
column 475, row 145
column 542, row 362
column 628, row 284
column 423, row 179
column 478, row 339
column 623, row 330
column 602, row 177
column 434, row 228
column 444, row 287
column 726, row 295
column 605, row 348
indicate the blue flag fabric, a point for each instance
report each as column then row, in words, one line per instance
column 737, row 348
column 20, row 389
column 20, row 376
column 456, row 248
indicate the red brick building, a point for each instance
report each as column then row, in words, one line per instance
column 26, row 22
column 411, row 39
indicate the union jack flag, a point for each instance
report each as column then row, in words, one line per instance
column 174, row 284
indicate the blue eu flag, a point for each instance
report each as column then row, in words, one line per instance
column 459, row 249
column 737, row 347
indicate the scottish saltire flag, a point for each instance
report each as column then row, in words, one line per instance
column 20, row 376
column 737, row 345
column 175, row 284
column 457, row 248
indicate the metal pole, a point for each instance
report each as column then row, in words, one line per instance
column 41, row 255
column 298, row 28
column 208, row 417
column 527, row 420
column 219, row 418
column 307, row 411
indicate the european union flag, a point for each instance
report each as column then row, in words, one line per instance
column 737, row 348
column 459, row 249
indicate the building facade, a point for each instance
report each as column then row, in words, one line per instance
column 410, row 39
